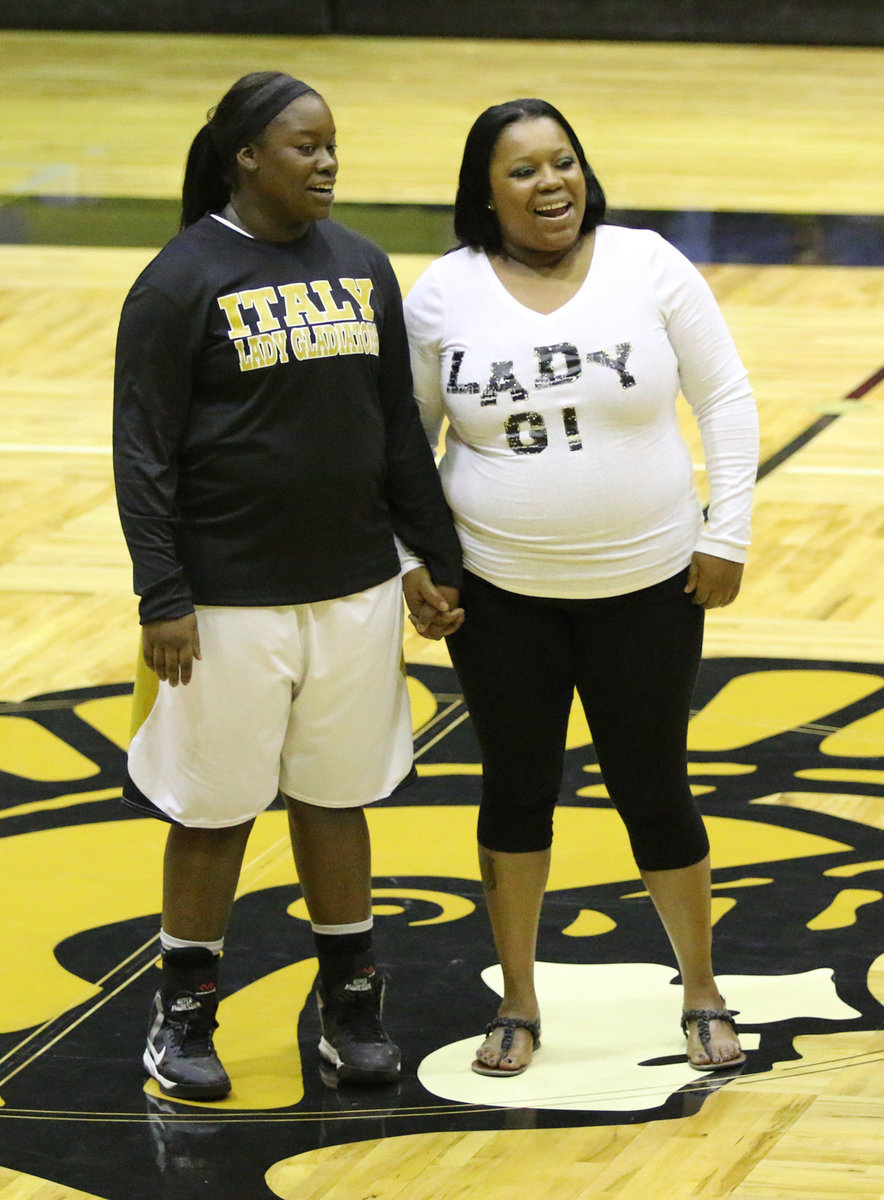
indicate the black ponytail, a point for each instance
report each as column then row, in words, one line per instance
column 205, row 187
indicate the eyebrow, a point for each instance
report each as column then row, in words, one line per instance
column 566, row 149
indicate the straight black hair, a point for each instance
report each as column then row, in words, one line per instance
column 474, row 223
column 241, row 115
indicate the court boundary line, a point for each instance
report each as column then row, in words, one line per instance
column 816, row 427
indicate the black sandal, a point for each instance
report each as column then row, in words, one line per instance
column 703, row 1016
column 509, row 1025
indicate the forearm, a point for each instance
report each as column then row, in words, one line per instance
column 730, row 444
column 146, row 505
column 151, row 400
column 420, row 516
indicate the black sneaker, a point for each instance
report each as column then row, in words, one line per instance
column 180, row 1054
column 353, row 1038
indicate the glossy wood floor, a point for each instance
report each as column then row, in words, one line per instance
column 699, row 127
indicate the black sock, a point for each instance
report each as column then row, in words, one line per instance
column 343, row 956
column 190, row 969
column 189, row 958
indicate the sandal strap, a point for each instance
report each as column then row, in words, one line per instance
column 703, row 1016
column 509, row 1025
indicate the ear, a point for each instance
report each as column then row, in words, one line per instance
column 246, row 160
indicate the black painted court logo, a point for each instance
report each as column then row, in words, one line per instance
column 787, row 761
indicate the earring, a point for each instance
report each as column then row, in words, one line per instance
column 490, row 207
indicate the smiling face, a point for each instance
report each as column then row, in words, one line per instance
column 538, row 190
column 285, row 179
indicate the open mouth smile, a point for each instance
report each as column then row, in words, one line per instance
column 555, row 208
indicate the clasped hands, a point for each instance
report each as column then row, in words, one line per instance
column 433, row 609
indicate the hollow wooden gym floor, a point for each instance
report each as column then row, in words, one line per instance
column 767, row 164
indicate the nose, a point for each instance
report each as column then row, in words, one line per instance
column 328, row 161
column 548, row 176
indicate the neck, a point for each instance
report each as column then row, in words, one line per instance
column 230, row 214
column 543, row 261
column 259, row 224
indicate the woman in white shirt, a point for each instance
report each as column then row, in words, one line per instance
column 556, row 346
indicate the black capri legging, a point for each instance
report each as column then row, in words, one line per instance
column 633, row 660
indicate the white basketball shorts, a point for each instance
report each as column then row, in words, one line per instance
column 310, row 699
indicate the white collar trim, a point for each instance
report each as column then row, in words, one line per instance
column 230, row 225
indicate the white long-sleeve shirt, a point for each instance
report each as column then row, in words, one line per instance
column 564, row 465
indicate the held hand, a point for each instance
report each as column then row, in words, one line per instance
column 714, row 582
column 170, row 647
column 433, row 610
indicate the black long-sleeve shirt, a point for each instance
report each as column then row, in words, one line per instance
column 266, row 441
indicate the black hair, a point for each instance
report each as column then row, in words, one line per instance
column 474, row 223
column 241, row 115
